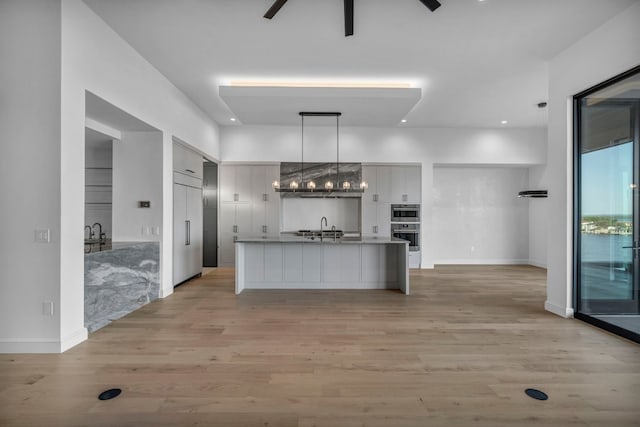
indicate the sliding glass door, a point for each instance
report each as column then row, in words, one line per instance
column 607, row 205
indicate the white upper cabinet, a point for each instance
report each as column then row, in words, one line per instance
column 379, row 180
column 405, row 184
column 235, row 183
column 187, row 161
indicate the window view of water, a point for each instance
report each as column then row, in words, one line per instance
column 606, row 267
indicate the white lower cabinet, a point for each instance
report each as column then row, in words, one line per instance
column 235, row 219
column 187, row 232
column 376, row 219
column 291, row 265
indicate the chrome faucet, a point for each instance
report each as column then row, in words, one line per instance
column 101, row 235
column 324, row 218
column 90, row 231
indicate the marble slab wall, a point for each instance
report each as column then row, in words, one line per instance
column 119, row 281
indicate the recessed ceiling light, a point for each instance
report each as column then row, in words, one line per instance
column 233, row 119
column 404, row 120
column 504, row 122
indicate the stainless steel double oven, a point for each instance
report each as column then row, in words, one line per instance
column 405, row 224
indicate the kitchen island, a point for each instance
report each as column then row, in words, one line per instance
column 295, row 262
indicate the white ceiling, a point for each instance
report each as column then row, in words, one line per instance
column 477, row 63
column 359, row 106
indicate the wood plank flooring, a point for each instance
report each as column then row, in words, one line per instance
column 459, row 351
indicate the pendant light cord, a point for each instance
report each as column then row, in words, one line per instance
column 302, row 154
column 337, row 151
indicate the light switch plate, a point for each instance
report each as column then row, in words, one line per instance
column 47, row 308
column 42, row 235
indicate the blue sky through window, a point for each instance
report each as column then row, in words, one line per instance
column 606, row 178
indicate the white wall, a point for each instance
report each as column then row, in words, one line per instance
column 30, row 174
column 137, row 176
column 305, row 213
column 52, row 52
column 96, row 59
column 502, row 147
column 479, row 218
column 605, row 52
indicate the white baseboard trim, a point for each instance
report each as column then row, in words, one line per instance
column 43, row 345
column 566, row 312
column 30, row 346
column 498, row 261
column 74, row 339
column 536, row 263
column 165, row 292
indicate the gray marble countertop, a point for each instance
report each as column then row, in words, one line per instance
column 108, row 245
column 291, row 238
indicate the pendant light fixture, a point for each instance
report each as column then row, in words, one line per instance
column 330, row 184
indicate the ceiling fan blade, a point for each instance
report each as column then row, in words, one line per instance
column 348, row 18
column 431, row 4
column 275, row 7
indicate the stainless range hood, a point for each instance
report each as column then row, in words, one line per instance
column 320, row 180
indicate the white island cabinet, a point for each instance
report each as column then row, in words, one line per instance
column 289, row 262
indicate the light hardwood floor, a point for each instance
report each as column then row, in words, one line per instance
column 459, row 351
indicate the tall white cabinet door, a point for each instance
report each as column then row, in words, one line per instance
column 413, row 184
column 227, row 183
column 194, row 239
column 369, row 176
column 258, row 200
column 383, row 183
column 227, row 234
column 179, row 233
column 384, row 219
column 243, row 183
column 398, row 185
column 369, row 218
column 272, row 211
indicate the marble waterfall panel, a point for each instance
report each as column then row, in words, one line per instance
column 119, row 281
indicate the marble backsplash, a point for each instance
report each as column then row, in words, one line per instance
column 320, row 173
column 119, row 281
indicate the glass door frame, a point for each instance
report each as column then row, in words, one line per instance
column 577, row 207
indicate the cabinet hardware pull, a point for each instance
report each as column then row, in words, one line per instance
column 265, row 197
column 236, row 197
column 264, row 228
column 375, row 197
column 235, row 228
column 190, row 171
column 235, row 238
column 187, row 236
